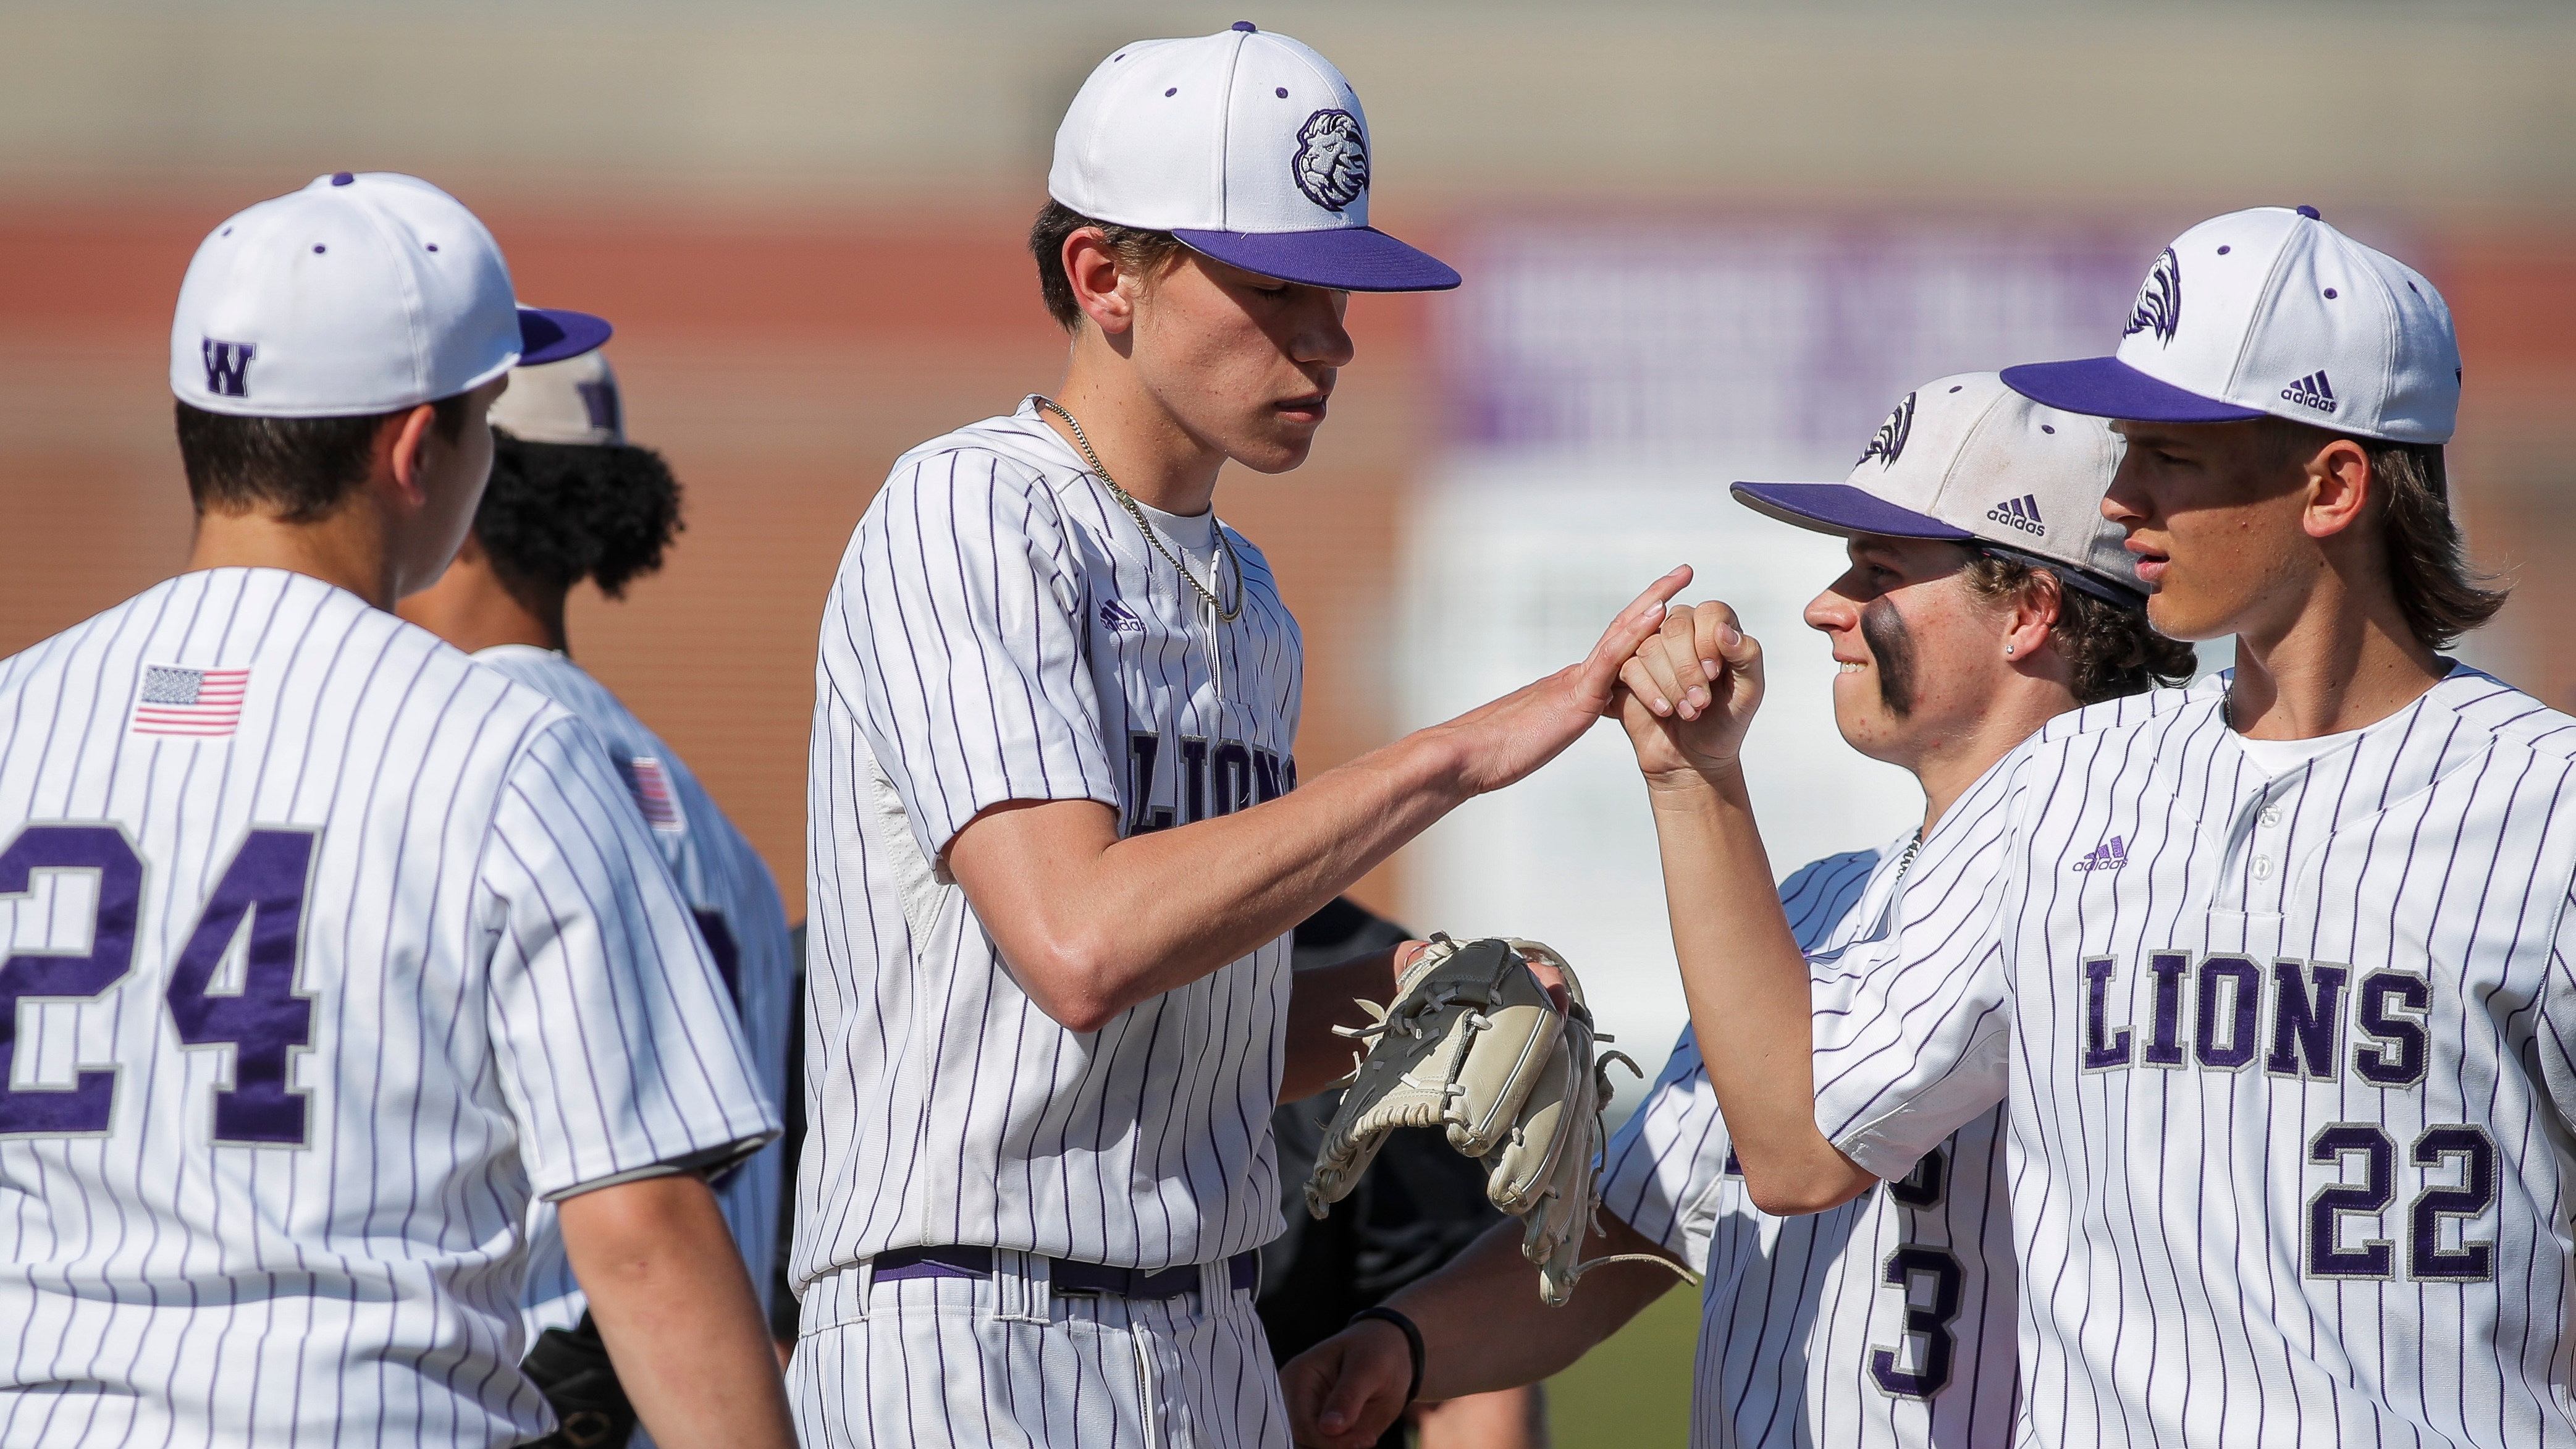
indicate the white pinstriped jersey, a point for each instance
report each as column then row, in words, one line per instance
column 1001, row 631
column 329, row 950
column 2287, row 1065
column 730, row 892
column 1887, row 1321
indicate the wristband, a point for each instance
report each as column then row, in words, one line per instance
column 1412, row 1340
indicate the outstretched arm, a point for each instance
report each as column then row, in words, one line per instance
column 677, row 1313
column 1091, row 924
column 1690, row 693
column 1483, row 1328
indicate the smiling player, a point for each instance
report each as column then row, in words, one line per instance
column 2275, row 980
column 1986, row 594
column 1059, row 840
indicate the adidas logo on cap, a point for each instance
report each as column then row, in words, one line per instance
column 2021, row 513
column 2312, row 391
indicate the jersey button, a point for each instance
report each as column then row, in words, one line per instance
column 2270, row 817
column 2262, row 867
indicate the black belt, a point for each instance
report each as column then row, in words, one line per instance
column 1065, row 1275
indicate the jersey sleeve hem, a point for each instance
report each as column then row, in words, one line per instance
column 708, row 1162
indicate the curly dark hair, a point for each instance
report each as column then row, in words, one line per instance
column 557, row 513
column 2110, row 649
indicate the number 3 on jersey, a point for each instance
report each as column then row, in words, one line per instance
column 264, row 1018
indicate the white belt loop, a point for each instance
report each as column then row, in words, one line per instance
column 1216, row 1282
column 863, row 1282
column 1023, row 1287
column 838, row 1297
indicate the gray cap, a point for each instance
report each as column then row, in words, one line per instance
column 1967, row 459
column 574, row 401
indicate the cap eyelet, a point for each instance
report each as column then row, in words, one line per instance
column 341, row 178
column 317, row 249
column 2048, row 428
column 1961, row 386
column 1283, row 93
column 433, row 246
column 2330, row 294
column 2222, row 251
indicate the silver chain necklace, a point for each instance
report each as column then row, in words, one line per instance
column 1153, row 535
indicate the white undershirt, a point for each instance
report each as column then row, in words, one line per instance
column 1193, row 535
column 2276, row 758
column 2279, row 757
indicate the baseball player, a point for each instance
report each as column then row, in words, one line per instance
column 2273, row 978
column 571, row 499
column 1986, row 595
column 330, row 951
column 1059, row 838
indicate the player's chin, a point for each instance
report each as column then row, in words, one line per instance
column 2182, row 612
column 1275, row 447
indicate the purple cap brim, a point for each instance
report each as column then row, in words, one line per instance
column 2106, row 387
column 551, row 334
column 1841, row 508
column 1346, row 258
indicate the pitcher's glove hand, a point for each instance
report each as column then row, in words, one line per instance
column 1475, row 1045
column 571, row 1367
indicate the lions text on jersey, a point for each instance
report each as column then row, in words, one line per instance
column 2287, row 1064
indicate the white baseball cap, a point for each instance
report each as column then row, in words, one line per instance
column 2273, row 312
column 1967, row 460
column 361, row 293
column 572, row 401
column 1249, row 147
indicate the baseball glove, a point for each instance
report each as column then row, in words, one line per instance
column 1473, row 1044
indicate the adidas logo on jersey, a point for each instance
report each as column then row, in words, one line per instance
column 1118, row 617
column 2109, row 855
column 2312, row 391
column 2021, row 513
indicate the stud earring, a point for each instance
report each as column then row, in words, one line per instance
column 2008, row 649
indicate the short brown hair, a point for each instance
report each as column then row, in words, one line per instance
column 2441, row 596
column 1139, row 251
column 300, row 467
column 2110, row 649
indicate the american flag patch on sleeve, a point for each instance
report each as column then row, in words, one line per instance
column 192, row 703
column 652, row 789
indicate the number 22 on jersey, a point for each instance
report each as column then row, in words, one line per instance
column 264, row 1018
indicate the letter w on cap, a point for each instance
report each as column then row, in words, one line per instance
column 228, row 367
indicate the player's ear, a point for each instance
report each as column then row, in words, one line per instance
column 2035, row 608
column 2339, row 487
column 1091, row 268
column 402, row 452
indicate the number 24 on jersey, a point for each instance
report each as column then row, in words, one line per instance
column 265, row 1019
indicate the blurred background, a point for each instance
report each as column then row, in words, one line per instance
column 1702, row 242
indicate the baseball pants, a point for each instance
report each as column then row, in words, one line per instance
column 1003, row 1359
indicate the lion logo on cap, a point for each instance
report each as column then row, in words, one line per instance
column 1888, row 444
column 2159, row 305
column 1332, row 159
